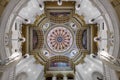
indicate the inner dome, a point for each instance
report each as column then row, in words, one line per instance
column 31, row 45
column 59, row 39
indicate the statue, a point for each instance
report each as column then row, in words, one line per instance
column 11, row 61
column 109, row 60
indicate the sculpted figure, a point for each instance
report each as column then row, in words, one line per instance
column 109, row 60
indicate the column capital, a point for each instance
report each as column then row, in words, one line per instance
column 54, row 75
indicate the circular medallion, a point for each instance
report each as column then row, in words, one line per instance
column 59, row 39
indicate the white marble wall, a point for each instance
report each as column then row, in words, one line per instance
column 87, row 7
column 32, row 70
column 31, row 10
column 85, row 71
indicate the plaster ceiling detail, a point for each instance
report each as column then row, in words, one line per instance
column 59, row 39
column 68, row 42
column 55, row 41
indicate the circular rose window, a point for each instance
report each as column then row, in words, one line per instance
column 59, row 39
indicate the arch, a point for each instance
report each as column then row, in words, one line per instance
column 60, row 59
column 59, row 76
column 70, row 76
column 49, row 76
column 84, row 39
column 79, row 39
column 38, row 39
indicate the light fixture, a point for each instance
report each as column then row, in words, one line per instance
column 22, row 39
column 41, row 7
column 59, row 2
column 77, row 6
column 26, row 56
column 27, row 21
column 97, row 39
column 93, row 20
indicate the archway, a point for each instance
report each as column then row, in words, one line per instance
column 70, row 76
column 49, row 76
column 59, row 77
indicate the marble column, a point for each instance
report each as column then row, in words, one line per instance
column 65, row 77
column 54, row 78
